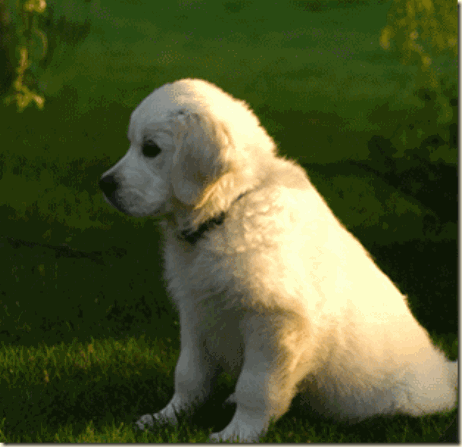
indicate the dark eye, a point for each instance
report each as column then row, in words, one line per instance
column 150, row 149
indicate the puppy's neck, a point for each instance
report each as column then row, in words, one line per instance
column 190, row 233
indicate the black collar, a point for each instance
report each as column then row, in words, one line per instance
column 193, row 236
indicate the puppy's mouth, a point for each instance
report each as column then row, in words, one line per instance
column 132, row 209
column 114, row 203
column 128, row 201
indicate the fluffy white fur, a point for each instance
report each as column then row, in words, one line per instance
column 280, row 293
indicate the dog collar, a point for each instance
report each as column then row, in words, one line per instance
column 193, row 236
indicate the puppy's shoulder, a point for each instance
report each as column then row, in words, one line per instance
column 281, row 190
column 287, row 173
column 285, row 184
column 287, row 193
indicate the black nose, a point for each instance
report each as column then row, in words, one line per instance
column 108, row 185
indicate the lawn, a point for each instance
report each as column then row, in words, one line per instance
column 88, row 336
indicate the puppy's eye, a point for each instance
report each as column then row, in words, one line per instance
column 150, row 149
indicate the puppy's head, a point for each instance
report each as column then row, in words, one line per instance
column 192, row 146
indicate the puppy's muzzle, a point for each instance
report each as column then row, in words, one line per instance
column 109, row 185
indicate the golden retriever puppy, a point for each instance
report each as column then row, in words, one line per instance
column 269, row 284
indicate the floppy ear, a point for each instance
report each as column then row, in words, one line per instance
column 202, row 165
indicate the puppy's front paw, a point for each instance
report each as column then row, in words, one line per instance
column 148, row 421
column 245, row 427
column 243, row 436
column 145, row 422
column 214, row 438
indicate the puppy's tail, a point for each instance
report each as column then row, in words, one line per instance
column 454, row 373
column 432, row 387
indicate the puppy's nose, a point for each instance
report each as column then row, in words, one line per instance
column 108, row 185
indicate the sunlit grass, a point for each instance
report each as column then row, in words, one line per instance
column 94, row 392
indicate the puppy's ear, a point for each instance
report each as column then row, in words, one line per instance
column 201, row 162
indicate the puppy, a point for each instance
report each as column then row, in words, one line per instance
column 269, row 284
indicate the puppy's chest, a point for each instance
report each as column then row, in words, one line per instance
column 201, row 284
column 196, row 271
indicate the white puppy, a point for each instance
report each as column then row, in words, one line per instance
column 268, row 283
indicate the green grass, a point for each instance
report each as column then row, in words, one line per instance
column 94, row 391
column 90, row 342
column 88, row 336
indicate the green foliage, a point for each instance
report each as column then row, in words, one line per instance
column 32, row 46
column 420, row 32
column 46, row 35
column 421, row 29
column 67, row 23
